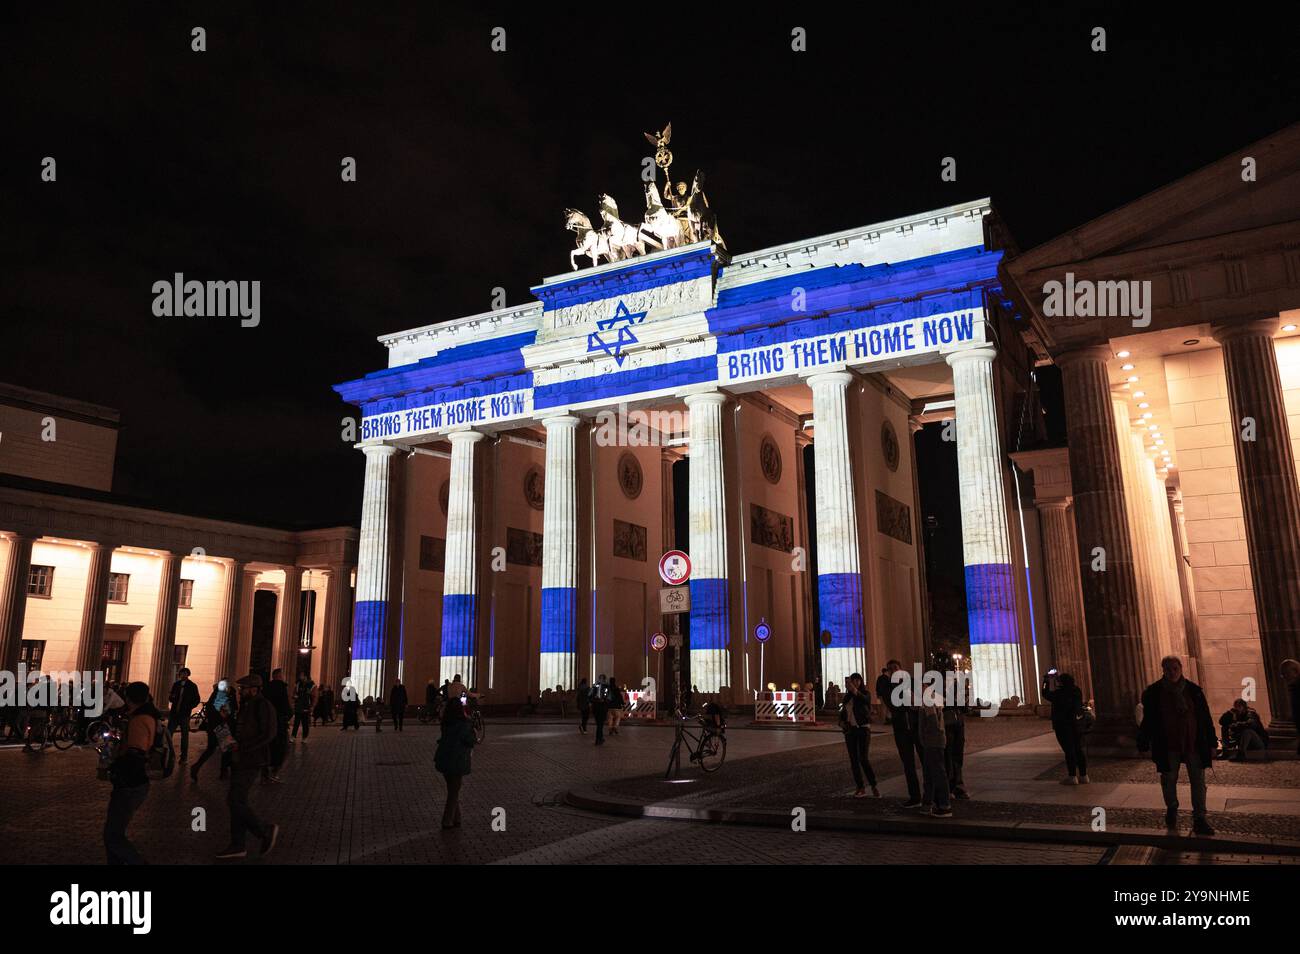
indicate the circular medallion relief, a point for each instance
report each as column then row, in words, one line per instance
column 630, row 477
column 889, row 445
column 769, row 458
column 535, row 488
column 444, row 496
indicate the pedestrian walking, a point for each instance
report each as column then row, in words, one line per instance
column 277, row 693
column 617, row 701
column 452, row 757
column 935, row 793
column 182, row 700
column 1177, row 730
column 1067, row 722
column 855, row 716
column 218, row 722
column 351, row 707
column 600, row 707
column 303, row 695
column 584, row 705
column 397, row 704
column 954, row 731
column 128, row 774
column 258, row 726
column 897, row 700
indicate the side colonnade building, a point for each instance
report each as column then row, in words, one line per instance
column 525, row 468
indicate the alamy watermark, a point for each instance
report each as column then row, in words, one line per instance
column 178, row 297
column 49, row 690
column 1088, row 299
column 653, row 428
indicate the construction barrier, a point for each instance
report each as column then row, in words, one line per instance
column 787, row 706
column 640, row 704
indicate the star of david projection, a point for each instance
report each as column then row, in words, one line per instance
column 624, row 320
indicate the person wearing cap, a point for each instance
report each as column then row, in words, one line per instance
column 256, row 731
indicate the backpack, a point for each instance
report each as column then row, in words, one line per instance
column 162, row 757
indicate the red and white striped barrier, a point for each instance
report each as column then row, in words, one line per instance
column 786, row 706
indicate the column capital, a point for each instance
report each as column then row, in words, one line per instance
column 1101, row 353
column 841, row 378
column 378, row 450
column 1260, row 328
column 1054, row 503
column 983, row 353
column 706, row 397
column 561, row 420
column 465, row 436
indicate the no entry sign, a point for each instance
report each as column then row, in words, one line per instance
column 675, row 567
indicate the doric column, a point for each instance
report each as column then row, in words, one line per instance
column 338, row 610
column 94, row 608
column 560, row 556
column 1270, row 498
column 290, row 623
column 1186, row 582
column 13, row 600
column 986, row 542
column 810, row 646
column 710, row 613
column 372, row 623
column 460, row 577
column 1110, row 602
column 1064, row 597
column 228, row 635
column 164, row 628
column 839, row 573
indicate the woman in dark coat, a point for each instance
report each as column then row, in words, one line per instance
column 1067, row 705
column 351, row 709
column 453, row 755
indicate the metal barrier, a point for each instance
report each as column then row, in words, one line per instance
column 786, row 706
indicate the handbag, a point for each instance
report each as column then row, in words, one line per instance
column 1084, row 720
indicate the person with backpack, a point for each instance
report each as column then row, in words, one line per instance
column 183, row 700
column 855, row 716
column 1067, row 722
column 617, row 702
column 584, row 705
column 129, row 773
column 219, row 723
column 303, row 695
column 452, row 756
column 258, row 725
column 600, row 707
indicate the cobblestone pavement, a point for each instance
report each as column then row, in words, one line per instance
column 1280, row 773
column 375, row 798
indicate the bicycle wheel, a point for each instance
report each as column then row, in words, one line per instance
column 480, row 730
column 64, row 736
column 96, row 731
column 713, row 752
column 36, row 736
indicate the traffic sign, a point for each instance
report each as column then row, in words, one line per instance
column 763, row 632
column 658, row 641
column 674, row 599
column 675, row 567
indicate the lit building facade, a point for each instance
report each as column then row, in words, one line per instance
column 90, row 582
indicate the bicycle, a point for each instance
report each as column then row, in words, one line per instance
column 63, row 730
column 476, row 719
column 709, row 748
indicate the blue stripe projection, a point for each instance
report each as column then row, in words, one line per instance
column 676, row 375
column 473, row 361
column 559, row 619
column 458, row 624
column 991, row 603
column 710, row 614
column 637, row 276
column 839, row 601
column 368, row 627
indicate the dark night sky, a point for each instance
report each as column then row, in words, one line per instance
column 225, row 165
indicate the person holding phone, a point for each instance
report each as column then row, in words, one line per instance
column 1067, row 705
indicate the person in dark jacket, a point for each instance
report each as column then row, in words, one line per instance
column 600, row 707
column 258, row 726
column 397, row 702
column 183, row 700
column 855, row 717
column 219, row 710
column 1067, row 705
column 452, row 757
column 902, row 719
column 351, row 706
column 1243, row 731
column 277, row 693
column 584, row 706
column 1177, row 730
column 304, row 694
column 128, row 773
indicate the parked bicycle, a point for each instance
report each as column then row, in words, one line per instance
column 708, row 747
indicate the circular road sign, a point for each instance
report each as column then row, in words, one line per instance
column 763, row 632
column 658, row 641
column 675, row 567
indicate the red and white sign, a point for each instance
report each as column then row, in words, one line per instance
column 640, row 704
column 658, row 641
column 675, row 567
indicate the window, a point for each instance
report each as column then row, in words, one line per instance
column 178, row 660
column 187, row 594
column 113, row 661
column 40, row 581
column 117, row 587
column 31, row 653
